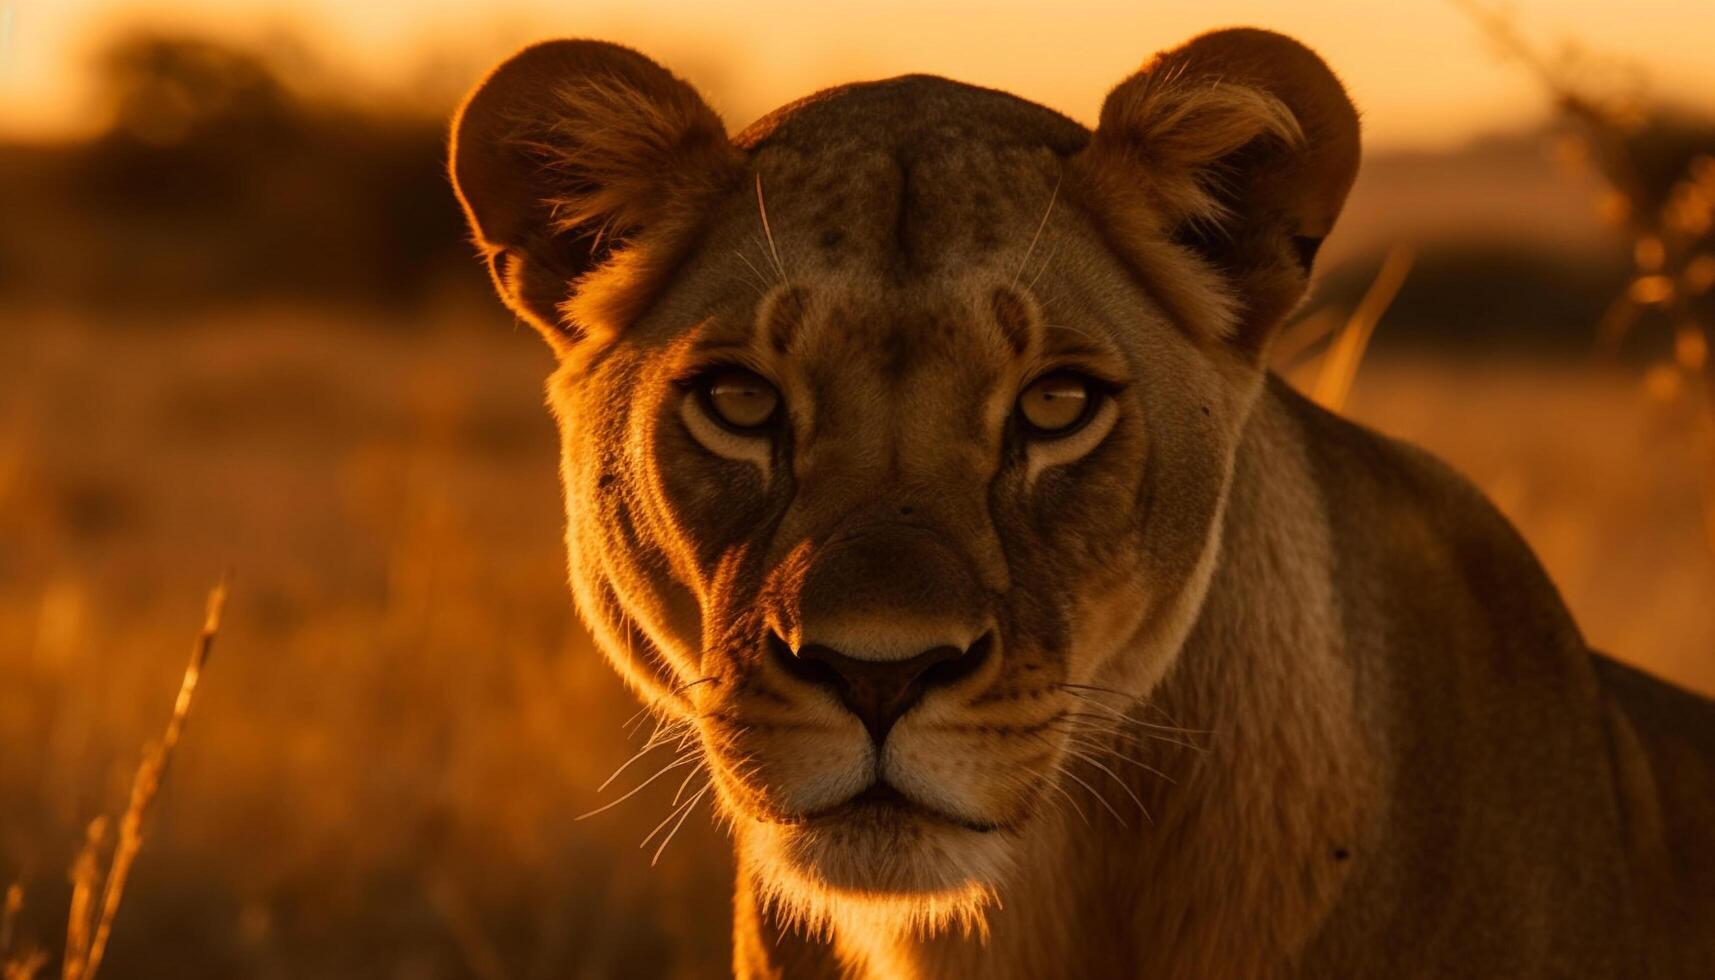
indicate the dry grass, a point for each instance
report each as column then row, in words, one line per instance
column 386, row 780
column 97, row 891
column 1348, row 340
column 86, row 938
column 384, row 784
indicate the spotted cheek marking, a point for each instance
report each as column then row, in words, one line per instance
column 1045, row 453
column 722, row 442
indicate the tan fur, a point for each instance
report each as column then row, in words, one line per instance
column 1246, row 691
column 662, row 156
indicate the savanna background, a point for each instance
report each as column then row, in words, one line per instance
column 241, row 328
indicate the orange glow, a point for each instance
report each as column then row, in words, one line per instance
column 261, row 310
column 1422, row 72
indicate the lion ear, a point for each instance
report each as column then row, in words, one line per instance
column 577, row 159
column 1240, row 146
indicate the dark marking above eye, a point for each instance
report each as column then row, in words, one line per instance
column 898, row 346
column 784, row 315
column 906, row 209
column 831, row 238
column 1012, row 314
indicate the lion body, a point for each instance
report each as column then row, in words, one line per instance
column 1242, row 689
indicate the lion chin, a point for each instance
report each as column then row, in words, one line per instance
column 888, row 867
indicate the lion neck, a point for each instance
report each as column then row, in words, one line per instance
column 1242, row 855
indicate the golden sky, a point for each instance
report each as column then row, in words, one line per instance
column 1420, row 70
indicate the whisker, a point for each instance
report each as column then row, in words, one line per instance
column 685, row 812
column 1107, row 725
column 1086, row 698
column 706, row 679
column 1059, row 327
column 762, row 209
column 1087, row 751
column 1142, row 808
column 1130, row 719
column 1129, row 716
column 1023, row 786
column 1069, row 774
column 1052, row 197
column 655, row 741
column 1081, row 739
column 664, row 724
column 632, row 722
column 687, row 737
column 1054, row 784
column 761, row 284
column 1047, row 261
column 659, row 827
column 1119, row 739
column 677, row 809
column 683, row 760
column 1088, row 757
column 686, row 782
column 1133, row 699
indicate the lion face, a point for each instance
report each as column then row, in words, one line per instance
column 895, row 433
column 908, row 523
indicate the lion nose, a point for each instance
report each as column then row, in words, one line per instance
column 880, row 692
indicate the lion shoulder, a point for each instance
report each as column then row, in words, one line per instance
column 1407, row 524
column 1663, row 748
column 1494, row 695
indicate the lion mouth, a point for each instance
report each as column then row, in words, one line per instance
column 882, row 802
column 882, row 793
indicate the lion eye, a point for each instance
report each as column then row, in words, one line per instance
column 740, row 399
column 1057, row 404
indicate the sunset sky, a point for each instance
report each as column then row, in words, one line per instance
column 1422, row 72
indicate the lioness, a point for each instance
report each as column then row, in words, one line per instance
column 921, row 461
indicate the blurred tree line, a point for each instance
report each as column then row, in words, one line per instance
column 223, row 177
column 217, row 182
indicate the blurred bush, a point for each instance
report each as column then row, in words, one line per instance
column 219, row 183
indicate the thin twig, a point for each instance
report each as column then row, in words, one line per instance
column 144, row 788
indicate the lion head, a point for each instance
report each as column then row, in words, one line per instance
column 896, row 425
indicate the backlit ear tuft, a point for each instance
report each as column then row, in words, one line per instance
column 584, row 169
column 1183, row 134
column 1239, row 146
